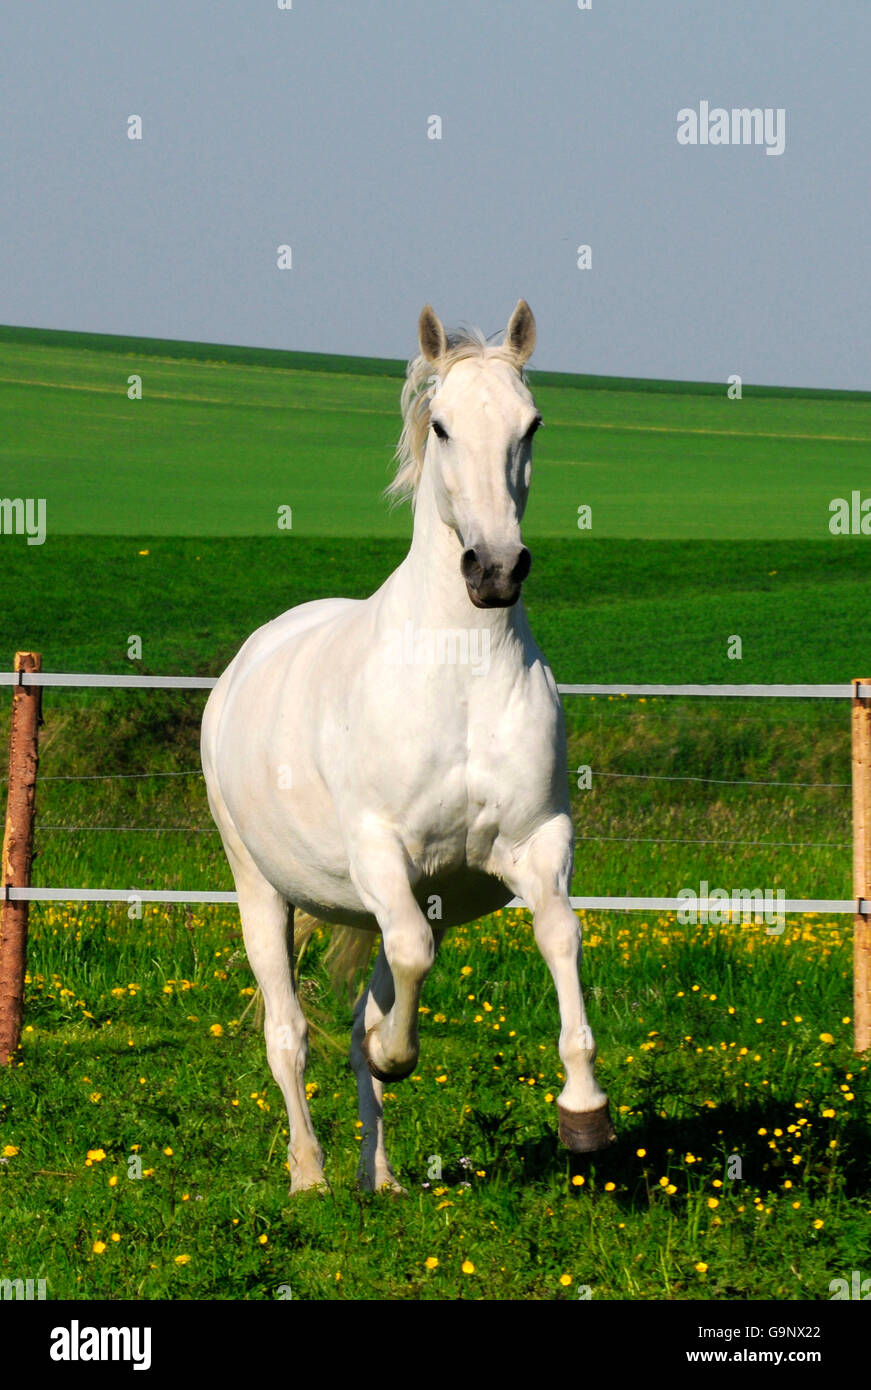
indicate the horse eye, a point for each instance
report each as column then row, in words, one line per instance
column 536, row 424
column 439, row 430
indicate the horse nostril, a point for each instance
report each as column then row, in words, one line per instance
column 469, row 565
column 522, row 567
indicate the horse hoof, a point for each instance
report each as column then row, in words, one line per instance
column 315, row 1184
column 388, row 1077
column 586, row 1131
column 388, row 1187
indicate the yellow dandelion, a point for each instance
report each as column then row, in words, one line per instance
column 565, row 1280
column 701, row 1267
column 182, row 1259
column 469, row 1268
column 578, row 1181
column 98, row 1247
column 431, row 1262
column 10, row 1150
column 216, row 1030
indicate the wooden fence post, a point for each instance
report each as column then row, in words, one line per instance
column 861, row 729
column 18, row 852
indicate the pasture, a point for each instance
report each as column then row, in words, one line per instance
column 714, row 1041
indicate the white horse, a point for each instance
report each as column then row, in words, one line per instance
column 398, row 763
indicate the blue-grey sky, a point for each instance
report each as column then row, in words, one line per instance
column 309, row 127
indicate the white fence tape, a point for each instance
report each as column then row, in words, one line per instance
column 775, row 692
column 146, row 895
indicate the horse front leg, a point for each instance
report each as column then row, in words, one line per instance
column 380, row 872
column 542, row 876
column 374, row 1172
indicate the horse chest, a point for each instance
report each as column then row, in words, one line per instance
column 457, row 796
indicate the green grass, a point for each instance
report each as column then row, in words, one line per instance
column 602, row 610
column 707, row 1048
column 217, row 446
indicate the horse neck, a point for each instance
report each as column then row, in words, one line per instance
column 430, row 585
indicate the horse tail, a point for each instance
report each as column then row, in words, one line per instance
column 347, row 955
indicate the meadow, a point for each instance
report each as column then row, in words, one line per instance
column 142, row 1040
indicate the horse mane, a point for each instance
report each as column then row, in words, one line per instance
column 422, row 380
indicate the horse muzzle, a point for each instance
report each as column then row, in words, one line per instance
column 493, row 583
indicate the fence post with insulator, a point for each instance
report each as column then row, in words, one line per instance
column 18, row 852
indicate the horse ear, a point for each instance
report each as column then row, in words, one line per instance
column 520, row 336
column 431, row 334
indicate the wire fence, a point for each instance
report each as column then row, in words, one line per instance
column 592, row 903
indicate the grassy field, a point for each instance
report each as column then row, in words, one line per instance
column 215, row 446
column 142, row 1040
column 713, row 1043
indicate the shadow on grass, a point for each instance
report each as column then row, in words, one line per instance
column 715, row 1137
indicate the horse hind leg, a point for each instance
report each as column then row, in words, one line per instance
column 374, row 1173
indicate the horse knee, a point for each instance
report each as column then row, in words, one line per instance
column 410, row 952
